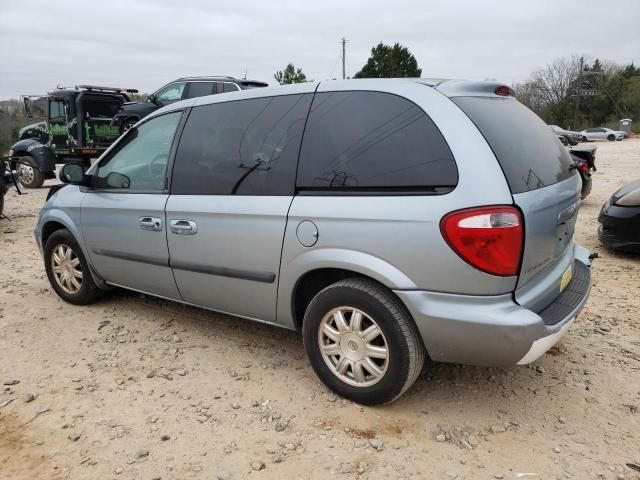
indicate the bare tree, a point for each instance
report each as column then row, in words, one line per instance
column 553, row 83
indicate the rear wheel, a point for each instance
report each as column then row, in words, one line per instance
column 30, row 175
column 585, row 139
column 362, row 342
column 611, row 137
column 68, row 270
column 1, row 201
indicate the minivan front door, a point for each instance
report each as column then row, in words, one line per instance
column 232, row 186
column 122, row 216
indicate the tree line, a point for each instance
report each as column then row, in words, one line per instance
column 576, row 94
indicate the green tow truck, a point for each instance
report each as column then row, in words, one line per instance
column 75, row 127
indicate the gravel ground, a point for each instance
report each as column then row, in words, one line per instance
column 138, row 388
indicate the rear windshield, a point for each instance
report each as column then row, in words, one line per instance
column 530, row 155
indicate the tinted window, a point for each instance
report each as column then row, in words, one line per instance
column 56, row 109
column 139, row 161
column 229, row 87
column 200, row 89
column 530, row 155
column 372, row 140
column 247, row 147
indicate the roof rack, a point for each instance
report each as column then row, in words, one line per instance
column 108, row 89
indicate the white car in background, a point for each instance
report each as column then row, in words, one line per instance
column 601, row 133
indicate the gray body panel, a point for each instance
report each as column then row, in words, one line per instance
column 246, row 257
column 237, row 249
column 550, row 215
column 120, row 251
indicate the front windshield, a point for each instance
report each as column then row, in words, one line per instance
column 170, row 93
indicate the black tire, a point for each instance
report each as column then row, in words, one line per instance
column 31, row 176
column 88, row 291
column 1, row 201
column 611, row 137
column 127, row 124
column 585, row 139
column 406, row 353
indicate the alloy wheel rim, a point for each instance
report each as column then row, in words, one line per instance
column 353, row 346
column 27, row 173
column 66, row 268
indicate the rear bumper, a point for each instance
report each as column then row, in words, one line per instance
column 495, row 330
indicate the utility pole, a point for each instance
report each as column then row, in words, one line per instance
column 344, row 44
column 578, row 93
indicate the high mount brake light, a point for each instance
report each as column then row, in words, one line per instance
column 488, row 238
column 503, row 90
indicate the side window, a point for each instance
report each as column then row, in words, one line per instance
column 139, row 161
column 372, row 140
column 56, row 109
column 171, row 93
column 244, row 147
column 229, row 87
column 200, row 89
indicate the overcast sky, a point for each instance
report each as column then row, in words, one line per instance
column 144, row 43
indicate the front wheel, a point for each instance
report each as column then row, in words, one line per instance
column 585, row 139
column 127, row 124
column 362, row 342
column 68, row 270
column 611, row 138
column 30, row 174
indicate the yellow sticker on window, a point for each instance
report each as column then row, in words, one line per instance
column 566, row 278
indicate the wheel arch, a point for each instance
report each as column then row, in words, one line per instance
column 313, row 281
column 54, row 220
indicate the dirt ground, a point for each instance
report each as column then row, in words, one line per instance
column 139, row 388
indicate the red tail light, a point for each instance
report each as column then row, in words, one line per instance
column 583, row 167
column 488, row 238
column 503, row 90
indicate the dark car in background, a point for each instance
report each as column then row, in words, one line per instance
column 180, row 89
column 620, row 219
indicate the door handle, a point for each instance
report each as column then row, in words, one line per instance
column 153, row 224
column 183, row 227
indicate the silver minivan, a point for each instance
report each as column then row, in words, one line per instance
column 388, row 220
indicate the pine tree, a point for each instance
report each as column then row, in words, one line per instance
column 390, row 62
column 290, row 75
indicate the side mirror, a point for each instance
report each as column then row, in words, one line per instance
column 118, row 180
column 73, row 174
column 27, row 107
column 153, row 99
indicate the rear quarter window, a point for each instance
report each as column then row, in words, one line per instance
column 360, row 140
column 528, row 152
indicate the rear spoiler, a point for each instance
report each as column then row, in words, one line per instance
column 467, row 88
column 107, row 89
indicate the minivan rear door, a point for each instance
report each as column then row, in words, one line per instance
column 544, row 186
column 232, row 185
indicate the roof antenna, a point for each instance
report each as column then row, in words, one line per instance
column 245, row 74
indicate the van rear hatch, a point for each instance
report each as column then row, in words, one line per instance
column 543, row 185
